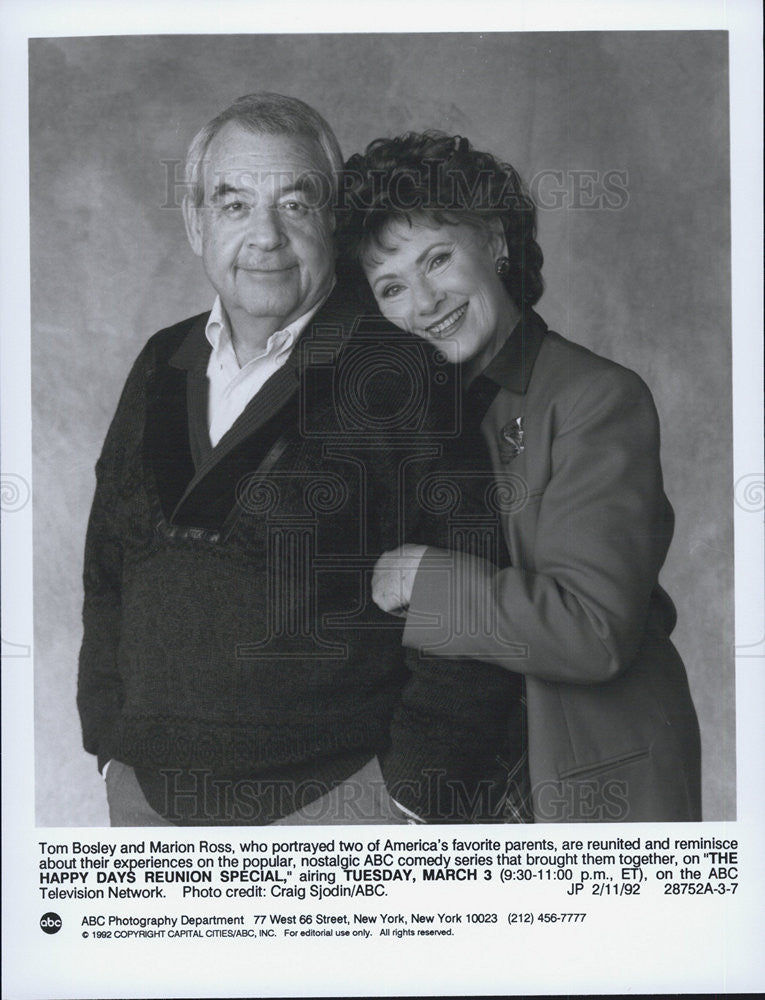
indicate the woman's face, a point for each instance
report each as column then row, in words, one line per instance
column 439, row 281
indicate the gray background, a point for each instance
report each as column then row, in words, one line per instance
column 647, row 285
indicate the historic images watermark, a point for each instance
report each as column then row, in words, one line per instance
column 550, row 188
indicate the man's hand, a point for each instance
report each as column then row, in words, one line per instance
column 393, row 578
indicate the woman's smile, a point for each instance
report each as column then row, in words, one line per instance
column 448, row 324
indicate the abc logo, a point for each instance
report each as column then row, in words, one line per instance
column 50, row 923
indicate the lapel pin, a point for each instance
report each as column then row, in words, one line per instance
column 511, row 437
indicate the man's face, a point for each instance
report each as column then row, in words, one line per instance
column 265, row 229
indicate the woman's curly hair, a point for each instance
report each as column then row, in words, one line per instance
column 442, row 178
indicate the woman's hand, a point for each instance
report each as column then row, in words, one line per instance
column 393, row 578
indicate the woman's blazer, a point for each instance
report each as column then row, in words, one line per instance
column 574, row 445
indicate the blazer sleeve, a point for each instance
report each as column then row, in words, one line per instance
column 576, row 609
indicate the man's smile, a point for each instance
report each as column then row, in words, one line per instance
column 266, row 270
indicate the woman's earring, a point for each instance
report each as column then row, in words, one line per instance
column 502, row 266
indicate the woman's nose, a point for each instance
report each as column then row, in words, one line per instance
column 264, row 230
column 427, row 297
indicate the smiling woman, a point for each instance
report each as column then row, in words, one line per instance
column 441, row 282
column 429, row 217
column 446, row 238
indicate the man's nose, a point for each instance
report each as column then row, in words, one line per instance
column 264, row 230
column 427, row 296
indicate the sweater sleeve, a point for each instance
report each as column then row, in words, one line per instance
column 577, row 609
column 99, row 687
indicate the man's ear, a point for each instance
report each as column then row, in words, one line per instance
column 192, row 217
column 496, row 239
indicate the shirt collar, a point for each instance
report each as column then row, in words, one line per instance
column 347, row 309
column 218, row 329
column 512, row 365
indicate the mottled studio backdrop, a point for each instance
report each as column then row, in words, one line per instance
column 624, row 139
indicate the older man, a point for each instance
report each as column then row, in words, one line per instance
column 233, row 668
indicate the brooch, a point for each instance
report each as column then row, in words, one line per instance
column 511, row 439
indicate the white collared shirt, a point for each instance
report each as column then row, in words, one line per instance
column 231, row 387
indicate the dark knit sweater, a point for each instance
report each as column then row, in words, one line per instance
column 228, row 627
